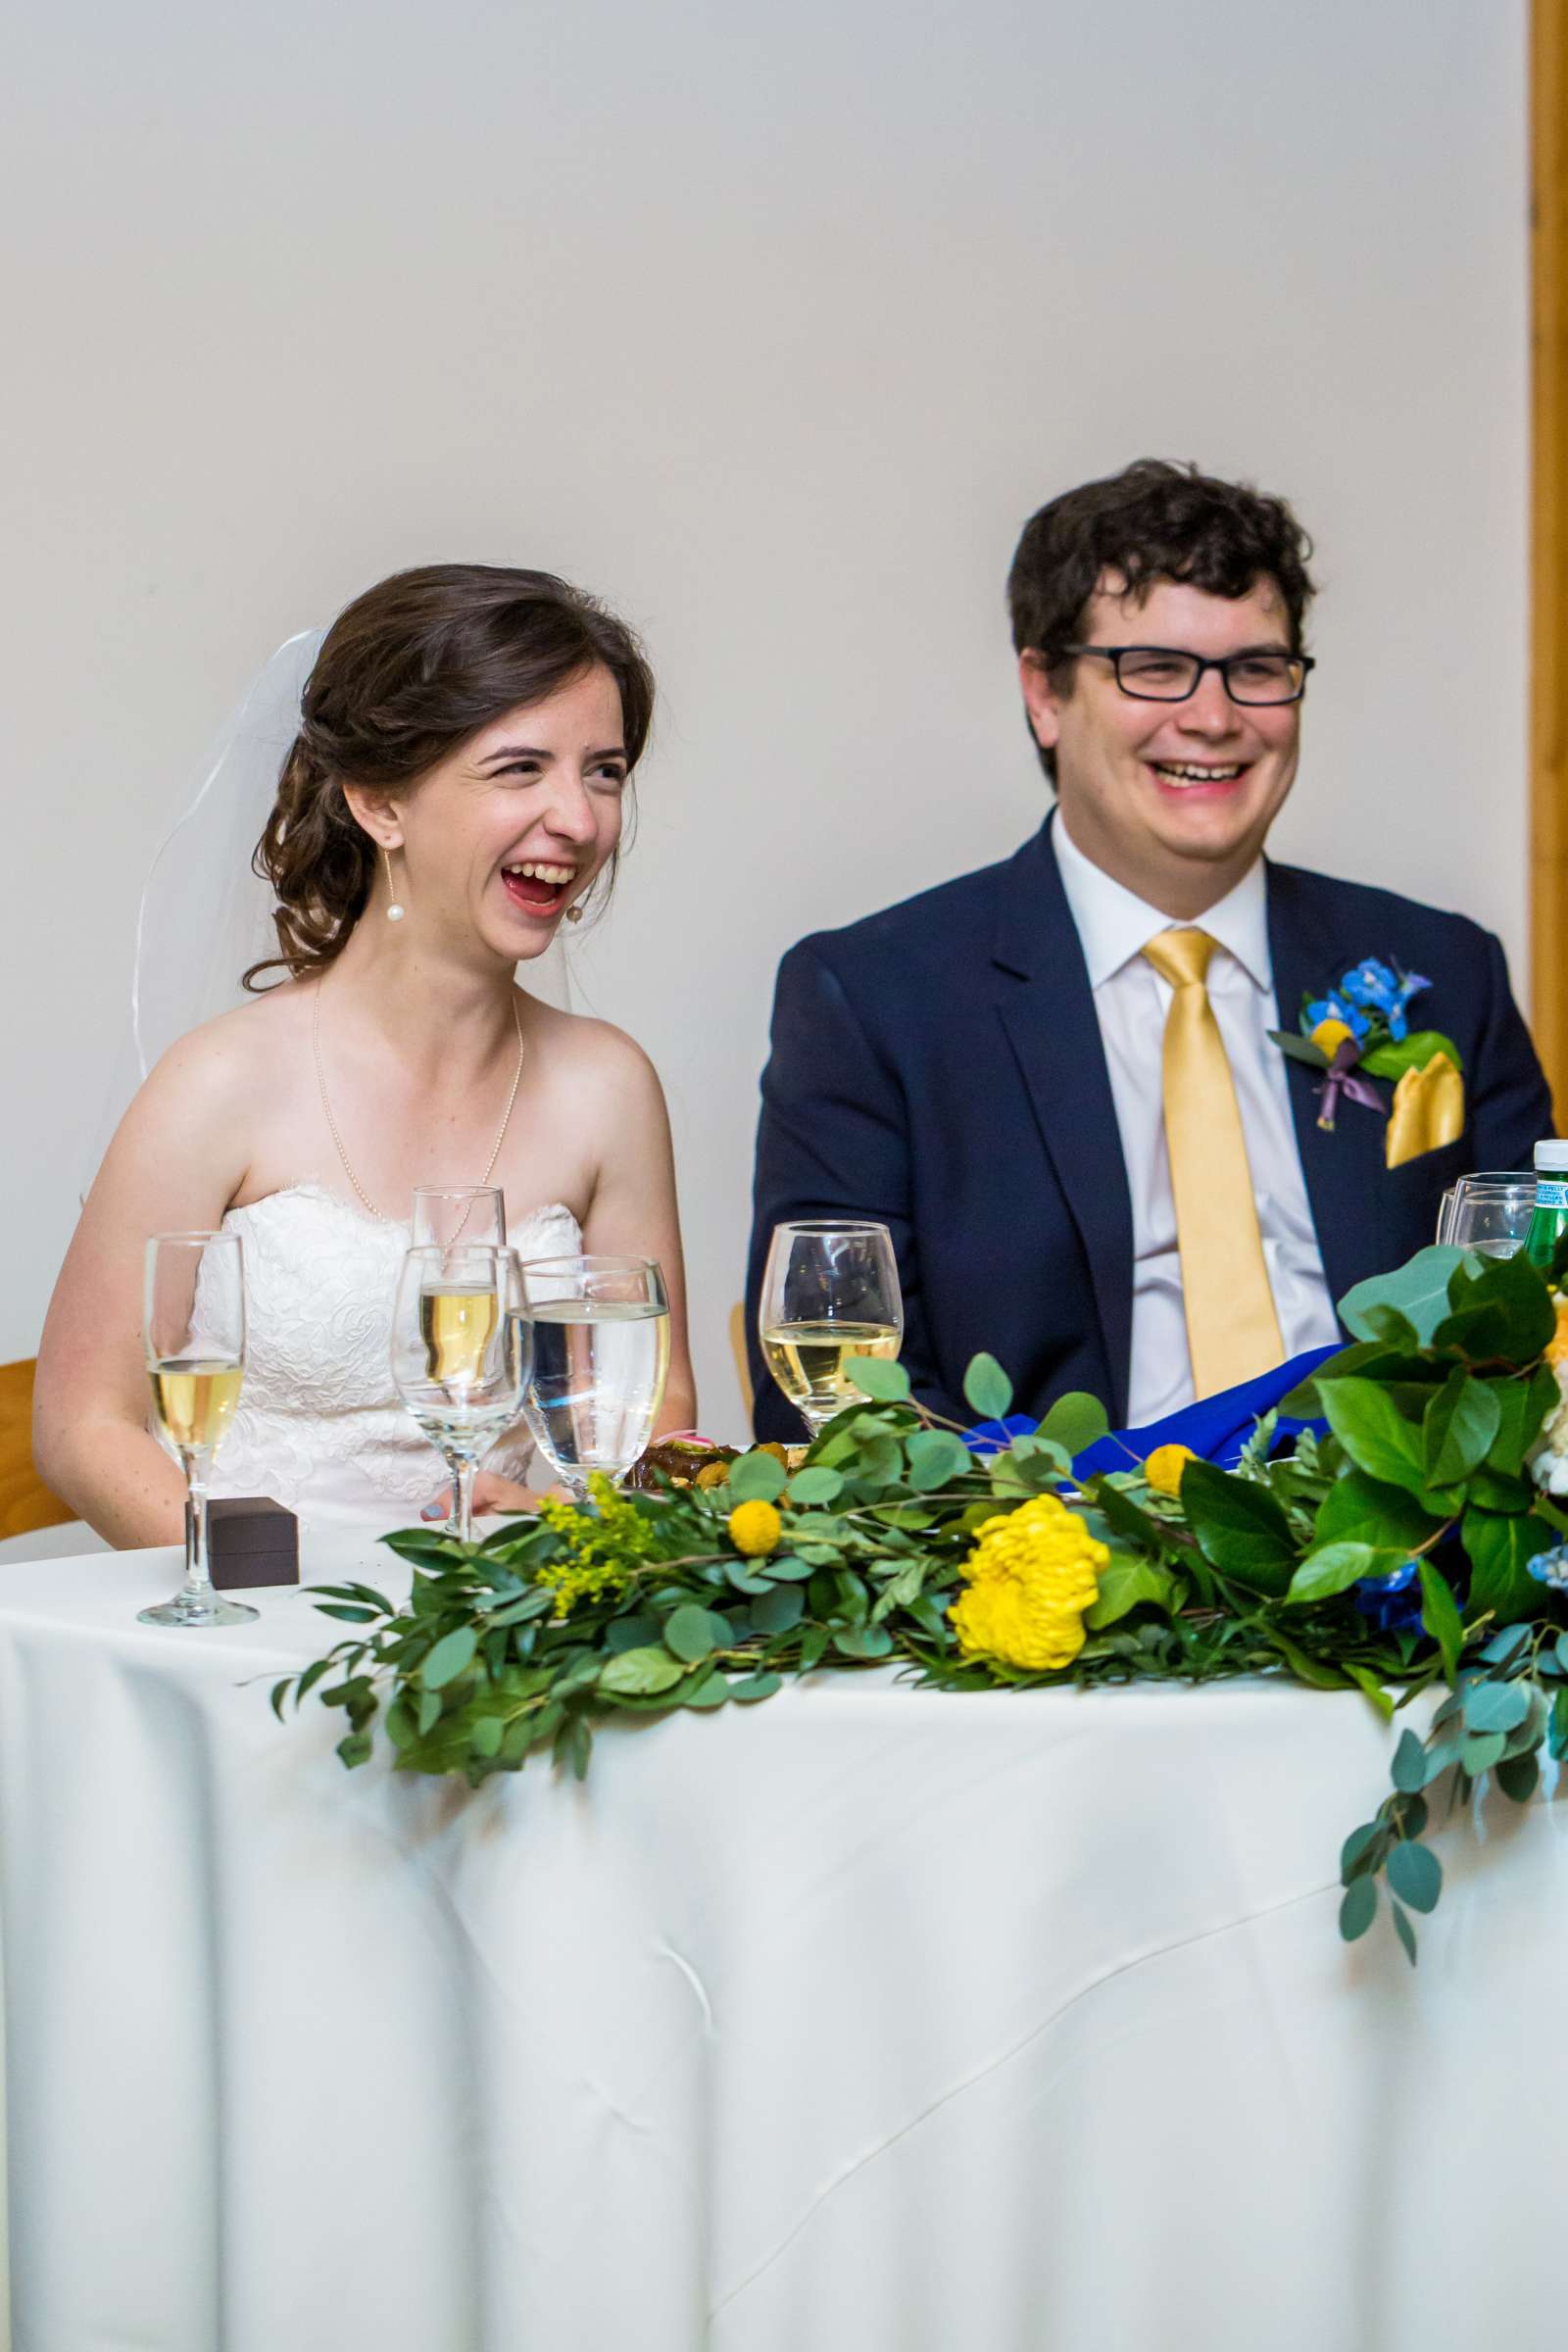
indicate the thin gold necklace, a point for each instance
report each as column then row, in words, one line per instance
column 348, row 1170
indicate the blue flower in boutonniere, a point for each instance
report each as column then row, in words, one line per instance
column 1358, row 1031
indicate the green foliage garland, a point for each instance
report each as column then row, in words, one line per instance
column 704, row 1597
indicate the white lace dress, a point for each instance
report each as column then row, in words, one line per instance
column 320, row 1427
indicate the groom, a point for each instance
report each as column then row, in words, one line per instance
column 1052, row 1079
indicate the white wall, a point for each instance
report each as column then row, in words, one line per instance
column 772, row 325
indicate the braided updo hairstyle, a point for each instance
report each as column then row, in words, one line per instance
column 406, row 674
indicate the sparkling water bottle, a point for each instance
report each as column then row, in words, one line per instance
column 1550, row 1220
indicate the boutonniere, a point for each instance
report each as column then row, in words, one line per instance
column 1359, row 1031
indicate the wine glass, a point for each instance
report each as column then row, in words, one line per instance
column 194, row 1327
column 1489, row 1212
column 458, row 1353
column 601, row 1357
column 444, row 1214
column 830, row 1290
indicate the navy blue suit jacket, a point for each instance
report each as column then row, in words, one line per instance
column 939, row 1066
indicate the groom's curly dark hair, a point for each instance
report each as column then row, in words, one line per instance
column 1155, row 520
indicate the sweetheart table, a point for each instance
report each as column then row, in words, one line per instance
column 865, row 2020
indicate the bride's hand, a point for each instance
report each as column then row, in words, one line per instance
column 491, row 1493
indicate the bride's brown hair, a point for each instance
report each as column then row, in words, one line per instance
column 405, row 675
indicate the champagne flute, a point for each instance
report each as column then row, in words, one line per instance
column 601, row 1357
column 194, row 1328
column 458, row 1359
column 444, row 1214
column 1489, row 1212
column 830, row 1290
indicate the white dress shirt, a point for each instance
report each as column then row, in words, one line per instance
column 1131, row 1001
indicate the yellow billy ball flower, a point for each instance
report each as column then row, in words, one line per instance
column 754, row 1529
column 1557, row 1345
column 1164, row 1466
column 1030, row 1578
column 1330, row 1035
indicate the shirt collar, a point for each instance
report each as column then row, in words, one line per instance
column 1114, row 925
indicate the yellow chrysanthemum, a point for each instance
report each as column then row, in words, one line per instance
column 1164, row 1466
column 1557, row 1345
column 1330, row 1035
column 1030, row 1578
column 754, row 1529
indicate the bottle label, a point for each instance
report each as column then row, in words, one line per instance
column 1551, row 1192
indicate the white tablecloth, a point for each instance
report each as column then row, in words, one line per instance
column 867, row 2019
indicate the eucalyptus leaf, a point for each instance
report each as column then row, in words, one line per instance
column 778, row 1611
column 874, row 1377
column 1358, row 1908
column 1408, row 1771
column 1416, row 1875
column 694, row 1632
column 814, row 1483
column 1404, row 1930
column 1518, row 1777
column 1075, row 1421
column 937, row 1457
column 755, row 1478
column 753, row 1687
column 1495, row 1706
column 641, row 1673
column 987, row 1389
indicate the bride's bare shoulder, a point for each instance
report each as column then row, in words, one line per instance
column 578, row 1050
column 240, row 1053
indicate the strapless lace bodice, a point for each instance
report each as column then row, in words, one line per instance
column 320, row 1427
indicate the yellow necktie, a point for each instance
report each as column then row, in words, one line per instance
column 1232, row 1327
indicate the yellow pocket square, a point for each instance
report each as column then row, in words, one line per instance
column 1428, row 1112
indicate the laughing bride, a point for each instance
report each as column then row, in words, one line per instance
column 454, row 792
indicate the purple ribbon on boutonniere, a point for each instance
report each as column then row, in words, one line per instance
column 1343, row 1077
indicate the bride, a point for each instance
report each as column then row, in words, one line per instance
column 455, row 789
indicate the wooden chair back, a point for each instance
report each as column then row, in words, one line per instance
column 25, row 1502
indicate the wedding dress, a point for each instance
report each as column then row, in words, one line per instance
column 320, row 1427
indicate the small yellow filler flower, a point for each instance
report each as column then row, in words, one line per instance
column 1164, row 1466
column 1029, row 1579
column 754, row 1529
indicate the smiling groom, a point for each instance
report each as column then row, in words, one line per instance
column 1054, row 1080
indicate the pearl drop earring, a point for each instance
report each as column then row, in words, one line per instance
column 394, row 913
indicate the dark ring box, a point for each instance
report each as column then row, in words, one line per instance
column 251, row 1541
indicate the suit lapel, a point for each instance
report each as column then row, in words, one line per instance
column 1344, row 1166
column 1049, row 1014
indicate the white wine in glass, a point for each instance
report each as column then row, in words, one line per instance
column 601, row 1358
column 194, row 1329
column 830, row 1292
column 459, row 1354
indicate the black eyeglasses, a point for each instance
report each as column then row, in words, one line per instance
column 1156, row 674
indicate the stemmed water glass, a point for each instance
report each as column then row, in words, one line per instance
column 194, row 1327
column 1489, row 1212
column 830, row 1290
column 445, row 1214
column 460, row 1354
column 601, row 1358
